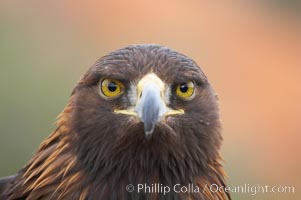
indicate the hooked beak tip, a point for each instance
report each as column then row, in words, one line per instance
column 148, row 134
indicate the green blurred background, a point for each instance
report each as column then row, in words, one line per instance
column 250, row 50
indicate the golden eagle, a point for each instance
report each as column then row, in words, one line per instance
column 142, row 116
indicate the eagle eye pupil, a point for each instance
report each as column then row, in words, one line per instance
column 112, row 86
column 183, row 88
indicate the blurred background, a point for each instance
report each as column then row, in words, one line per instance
column 250, row 50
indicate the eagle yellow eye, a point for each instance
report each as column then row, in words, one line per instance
column 185, row 90
column 111, row 88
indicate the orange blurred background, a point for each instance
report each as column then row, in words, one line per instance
column 250, row 50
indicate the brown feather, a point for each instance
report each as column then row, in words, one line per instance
column 93, row 154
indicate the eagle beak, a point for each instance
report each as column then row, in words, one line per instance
column 150, row 108
column 150, row 105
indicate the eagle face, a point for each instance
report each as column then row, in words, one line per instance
column 141, row 114
column 145, row 99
